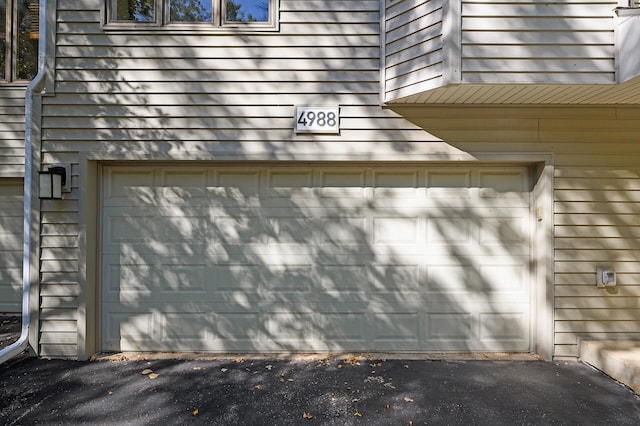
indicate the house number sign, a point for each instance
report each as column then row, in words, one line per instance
column 317, row 119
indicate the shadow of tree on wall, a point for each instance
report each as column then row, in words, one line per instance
column 229, row 99
column 198, row 262
column 309, row 258
column 10, row 244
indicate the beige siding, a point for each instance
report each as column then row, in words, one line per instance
column 597, row 223
column 189, row 95
column 538, row 42
column 11, row 208
column 12, row 131
column 506, row 43
column 596, row 203
column 413, row 46
column 177, row 93
column 59, row 271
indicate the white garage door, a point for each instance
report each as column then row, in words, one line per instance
column 359, row 258
column 11, row 206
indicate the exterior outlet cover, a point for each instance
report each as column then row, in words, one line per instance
column 605, row 277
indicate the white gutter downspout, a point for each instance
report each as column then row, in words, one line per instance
column 36, row 86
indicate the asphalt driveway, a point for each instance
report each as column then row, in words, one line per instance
column 303, row 390
column 10, row 325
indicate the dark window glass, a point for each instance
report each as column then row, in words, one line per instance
column 3, row 39
column 27, row 39
column 216, row 13
column 190, row 11
column 19, row 39
column 247, row 11
column 133, row 10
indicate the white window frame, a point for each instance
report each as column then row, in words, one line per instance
column 162, row 23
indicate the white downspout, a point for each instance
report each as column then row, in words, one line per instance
column 36, row 86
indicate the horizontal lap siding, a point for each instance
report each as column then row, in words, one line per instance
column 171, row 92
column 538, row 41
column 176, row 93
column 59, row 268
column 413, row 46
column 597, row 211
column 596, row 203
column 12, row 131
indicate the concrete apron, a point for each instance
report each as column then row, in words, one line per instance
column 619, row 359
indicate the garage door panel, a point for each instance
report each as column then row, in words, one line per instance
column 135, row 278
column 508, row 182
column 450, row 326
column 286, row 230
column 396, row 327
column 255, row 283
column 450, row 230
column 396, row 230
column 340, row 183
column 316, row 258
column 502, row 326
column 449, row 178
column 342, row 230
column 182, row 278
column 126, row 326
column 313, row 329
column 287, row 184
column 132, row 226
column 396, row 279
column 240, row 229
column 184, row 326
column 503, row 230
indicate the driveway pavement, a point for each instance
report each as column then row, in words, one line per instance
column 306, row 391
column 9, row 329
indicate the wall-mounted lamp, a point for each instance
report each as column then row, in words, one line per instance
column 51, row 183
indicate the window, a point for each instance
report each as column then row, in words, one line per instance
column 211, row 13
column 19, row 39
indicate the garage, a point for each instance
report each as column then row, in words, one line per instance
column 273, row 258
column 11, row 200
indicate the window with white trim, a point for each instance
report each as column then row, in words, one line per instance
column 208, row 13
column 19, row 39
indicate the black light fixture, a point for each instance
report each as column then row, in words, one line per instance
column 51, row 182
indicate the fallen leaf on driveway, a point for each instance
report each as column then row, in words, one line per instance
column 153, row 376
column 307, row 416
column 110, row 393
column 147, row 371
column 195, row 412
column 357, row 414
column 224, row 370
column 406, row 398
column 387, row 406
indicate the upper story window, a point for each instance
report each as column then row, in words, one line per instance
column 19, row 39
column 208, row 13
